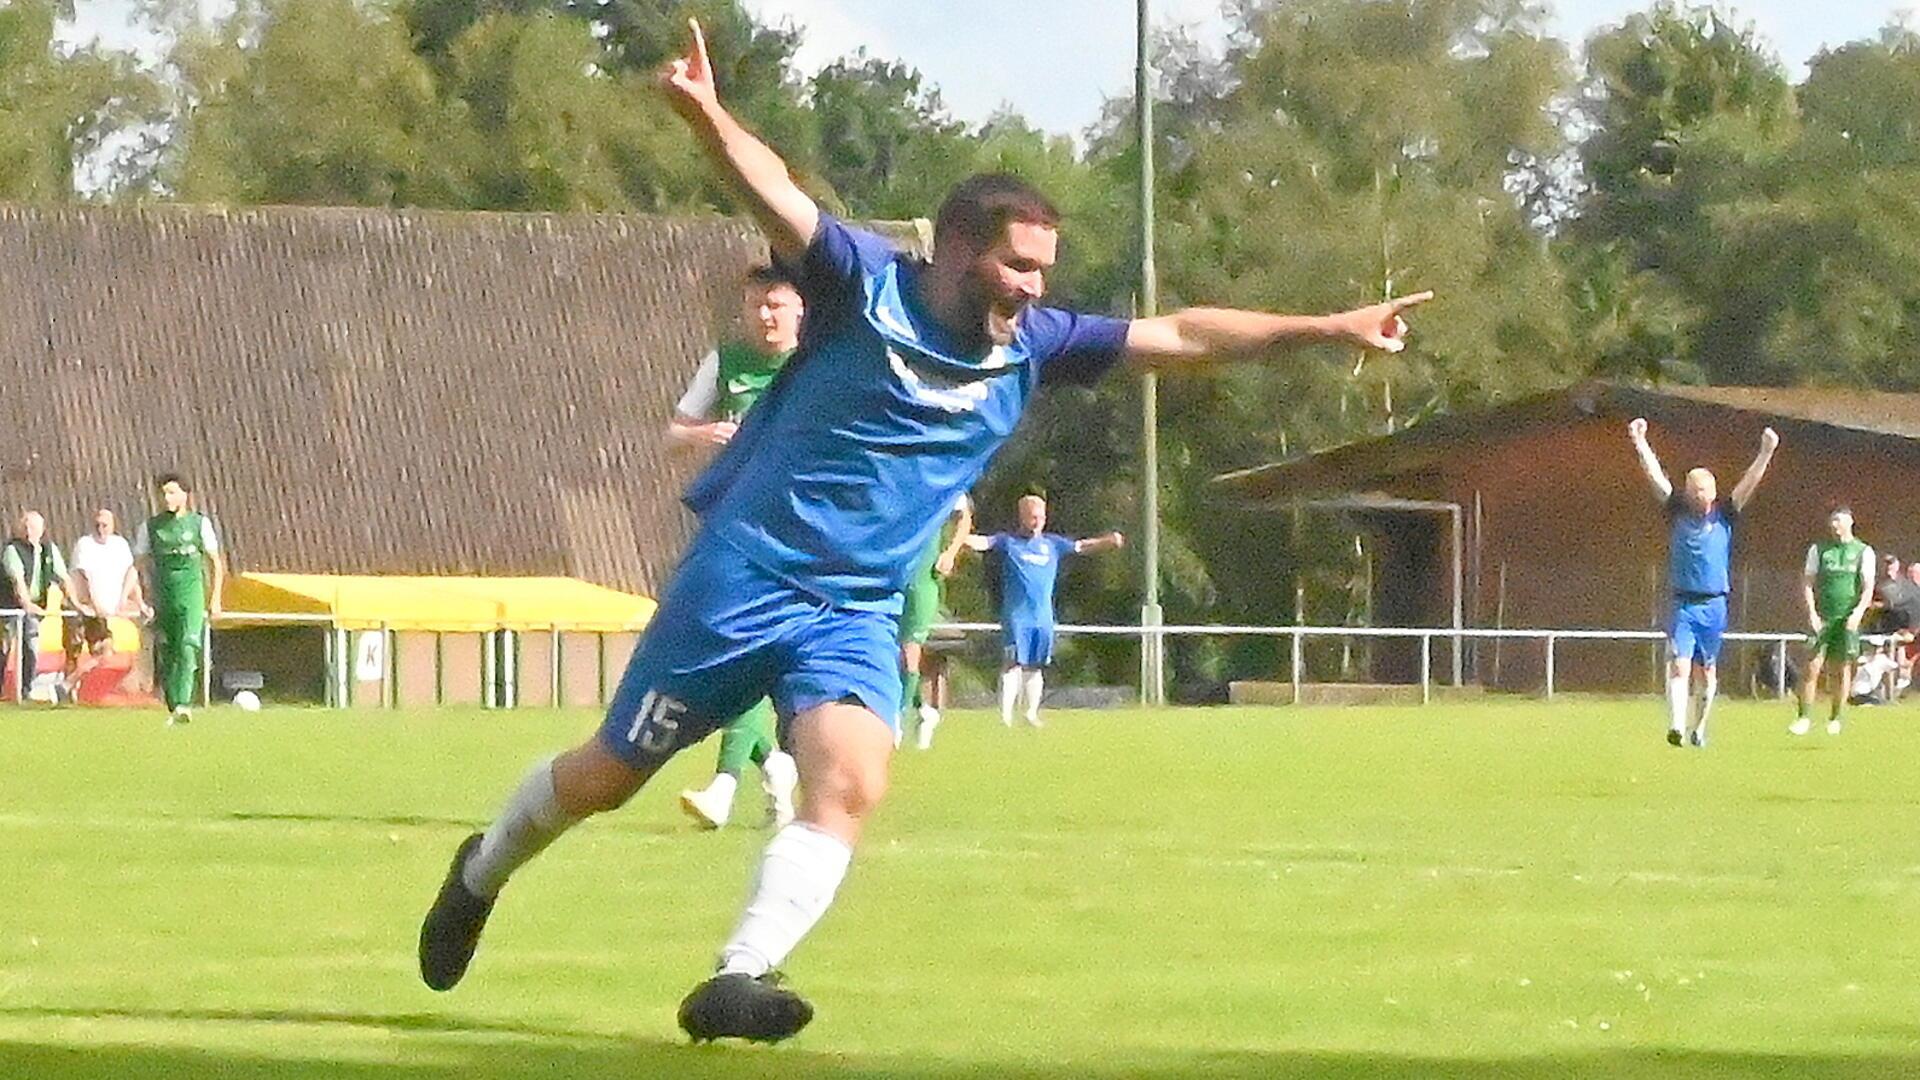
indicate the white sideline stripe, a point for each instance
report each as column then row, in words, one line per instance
column 1354, row 862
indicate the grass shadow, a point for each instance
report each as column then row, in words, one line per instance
column 582, row 1055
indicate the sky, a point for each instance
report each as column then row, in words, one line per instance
column 1056, row 61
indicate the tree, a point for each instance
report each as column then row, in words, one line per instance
column 319, row 102
column 1358, row 149
column 1737, row 232
column 887, row 145
column 59, row 109
column 1681, row 107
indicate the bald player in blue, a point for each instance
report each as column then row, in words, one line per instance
column 909, row 376
column 1030, row 560
column 1699, row 574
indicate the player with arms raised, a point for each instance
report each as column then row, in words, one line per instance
column 908, row 378
column 1029, row 568
column 1699, row 571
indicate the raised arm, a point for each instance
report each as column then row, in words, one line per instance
column 783, row 211
column 1649, row 464
column 1112, row 541
column 949, row 556
column 977, row 542
column 1199, row 335
column 1742, row 491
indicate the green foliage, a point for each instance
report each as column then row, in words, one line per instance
column 59, row 107
column 1679, row 212
column 1735, row 232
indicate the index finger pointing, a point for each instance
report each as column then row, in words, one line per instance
column 699, row 43
column 1405, row 302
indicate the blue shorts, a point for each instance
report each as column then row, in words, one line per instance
column 727, row 635
column 1027, row 646
column 1696, row 628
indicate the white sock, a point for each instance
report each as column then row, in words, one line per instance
column 781, row 776
column 722, row 786
column 530, row 821
column 1709, row 686
column 799, row 873
column 1036, row 680
column 1009, row 694
column 1677, row 702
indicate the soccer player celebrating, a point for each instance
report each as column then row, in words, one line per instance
column 178, row 546
column 920, row 609
column 1838, row 583
column 728, row 382
column 1699, row 559
column 1029, row 567
column 909, row 377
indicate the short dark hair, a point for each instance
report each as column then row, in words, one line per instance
column 979, row 209
column 166, row 478
column 772, row 276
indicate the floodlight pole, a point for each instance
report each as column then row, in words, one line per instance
column 1153, row 689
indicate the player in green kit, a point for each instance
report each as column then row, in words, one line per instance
column 925, row 591
column 1839, row 586
column 177, row 546
column 726, row 385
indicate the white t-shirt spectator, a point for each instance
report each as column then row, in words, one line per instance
column 106, row 564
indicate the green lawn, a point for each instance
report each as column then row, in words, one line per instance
column 1506, row 889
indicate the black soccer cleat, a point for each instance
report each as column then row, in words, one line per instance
column 451, row 930
column 1673, row 737
column 739, row 1006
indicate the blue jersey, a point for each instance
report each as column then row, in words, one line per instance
column 848, row 465
column 1029, row 567
column 1701, row 551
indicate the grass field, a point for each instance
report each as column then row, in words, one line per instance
column 1504, row 890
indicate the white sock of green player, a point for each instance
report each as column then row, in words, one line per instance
column 1035, row 684
column 1009, row 694
column 722, row 787
column 799, row 873
column 530, row 821
column 1709, row 686
column 1677, row 702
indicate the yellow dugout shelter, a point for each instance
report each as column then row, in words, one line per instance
column 369, row 640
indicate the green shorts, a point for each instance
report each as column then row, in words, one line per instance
column 922, row 609
column 1836, row 642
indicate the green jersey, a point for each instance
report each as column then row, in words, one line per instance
column 179, row 545
column 1835, row 567
column 745, row 374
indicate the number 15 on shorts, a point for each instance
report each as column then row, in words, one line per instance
column 656, row 727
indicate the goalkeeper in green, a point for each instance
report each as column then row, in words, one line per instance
column 177, row 547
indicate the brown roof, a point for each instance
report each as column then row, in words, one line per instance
column 1370, row 464
column 366, row 391
column 1858, row 410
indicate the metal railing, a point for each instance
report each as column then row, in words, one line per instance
column 501, row 677
column 1549, row 639
column 499, row 653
